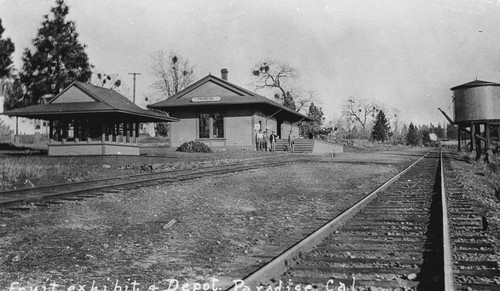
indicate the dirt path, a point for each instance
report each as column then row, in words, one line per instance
column 192, row 232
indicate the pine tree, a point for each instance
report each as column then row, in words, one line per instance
column 312, row 128
column 13, row 91
column 424, row 131
column 58, row 58
column 6, row 50
column 413, row 135
column 380, row 131
column 440, row 131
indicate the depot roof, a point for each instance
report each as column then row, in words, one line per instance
column 213, row 91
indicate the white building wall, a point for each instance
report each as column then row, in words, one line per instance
column 24, row 125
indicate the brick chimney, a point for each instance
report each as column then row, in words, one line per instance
column 224, row 73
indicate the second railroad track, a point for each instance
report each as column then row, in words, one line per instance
column 396, row 238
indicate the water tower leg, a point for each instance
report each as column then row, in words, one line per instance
column 487, row 133
column 472, row 137
column 459, row 137
column 478, row 142
column 489, row 153
column 498, row 131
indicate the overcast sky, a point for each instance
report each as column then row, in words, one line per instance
column 404, row 54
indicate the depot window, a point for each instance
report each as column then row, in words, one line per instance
column 211, row 125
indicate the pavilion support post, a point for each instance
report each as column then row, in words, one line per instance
column 76, row 130
column 109, row 131
column 126, row 131
column 131, row 131
column 59, row 131
column 86, row 130
column 64, row 128
column 137, row 124
column 120, row 131
column 103, row 132
column 115, row 132
column 51, row 130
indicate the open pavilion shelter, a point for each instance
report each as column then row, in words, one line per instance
column 88, row 120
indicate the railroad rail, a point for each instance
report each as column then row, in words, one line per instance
column 473, row 254
column 25, row 199
column 396, row 238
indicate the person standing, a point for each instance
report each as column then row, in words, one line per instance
column 260, row 137
column 265, row 141
column 272, row 141
column 291, row 143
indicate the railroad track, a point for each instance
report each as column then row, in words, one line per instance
column 25, row 199
column 474, row 264
column 397, row 239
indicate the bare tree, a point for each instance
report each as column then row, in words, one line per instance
column 304, row 99
column 274, row 75
column 106, row 81
column 172, row 73
column 360, row 111
column 277, row 77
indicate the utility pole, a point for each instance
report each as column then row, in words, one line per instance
column 135, row 74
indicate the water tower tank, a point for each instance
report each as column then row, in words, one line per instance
column 476, row 100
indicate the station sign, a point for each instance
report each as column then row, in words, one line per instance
column 206, row 99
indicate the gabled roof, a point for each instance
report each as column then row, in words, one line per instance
column 475, row 83
column 102, row 101
column 232, row 95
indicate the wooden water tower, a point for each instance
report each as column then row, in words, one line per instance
column 477, row 114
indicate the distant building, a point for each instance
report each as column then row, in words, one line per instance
column 24, row 125
column 221, row 114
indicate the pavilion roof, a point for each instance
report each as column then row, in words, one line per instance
column 86, row 100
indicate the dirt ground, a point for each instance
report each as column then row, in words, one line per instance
column 216, row 228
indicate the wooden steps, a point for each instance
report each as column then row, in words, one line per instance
column 301, row 145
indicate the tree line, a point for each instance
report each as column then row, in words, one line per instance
column 58, row 58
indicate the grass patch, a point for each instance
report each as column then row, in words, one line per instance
column 27, row 171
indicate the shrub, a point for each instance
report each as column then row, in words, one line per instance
column 194, row 147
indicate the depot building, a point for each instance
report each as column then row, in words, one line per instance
column 221, row 114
